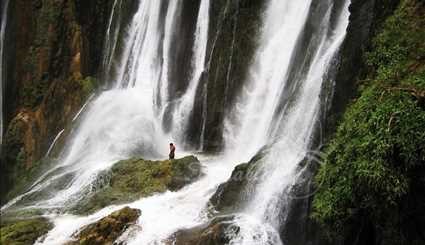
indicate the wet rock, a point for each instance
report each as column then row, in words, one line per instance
column 131, row 179
column 108, row 229
column 183, row 172
column 232, row 40
column 218, row 231
column 232, row 194
column 27, row 231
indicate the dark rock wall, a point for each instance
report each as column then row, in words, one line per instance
column 181, row 53
column 53, row 48
column 233, row 32
column 365, row 18
column 181, row 50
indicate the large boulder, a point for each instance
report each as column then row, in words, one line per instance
column 20, row 232
column 233, row 193
column 108, row 229
column 216, row 232
column 131, row 179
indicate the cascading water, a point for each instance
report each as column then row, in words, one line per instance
column 185, row 104
column 119, row 123
column 127, row 120
column 249, row 128
column 3, row 20
column 290, row 131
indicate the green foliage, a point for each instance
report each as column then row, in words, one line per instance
column 379, row 141
column 373, row 164
column 23, row 232
column 399, row 50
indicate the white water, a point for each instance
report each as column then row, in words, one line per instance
column 120, row 122
column 247, row 126
column 162, row 214
column 3, row 17
column 185, row 105
column 261, row 219
column 169, row 26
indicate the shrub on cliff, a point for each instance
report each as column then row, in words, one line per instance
column 371, row 186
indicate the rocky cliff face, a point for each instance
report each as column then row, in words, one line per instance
column 233, row 32
column 54, row 49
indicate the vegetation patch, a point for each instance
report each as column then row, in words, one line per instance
column 373, row 174
column 20, row 232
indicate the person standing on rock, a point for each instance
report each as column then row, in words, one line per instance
column 172, row 150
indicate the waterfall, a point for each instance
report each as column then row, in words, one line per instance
column 169, row 27
column 3, row 20
column 117, row 124
column 278, row 107
column 249, row 122
column 111, row 38
column 185, row 105
column 288, row 131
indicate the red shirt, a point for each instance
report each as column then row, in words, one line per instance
column 172, row 149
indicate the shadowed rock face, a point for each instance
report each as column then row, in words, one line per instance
column 108, row 229
column 233, row 32
column 129, row 180
column 21, row 232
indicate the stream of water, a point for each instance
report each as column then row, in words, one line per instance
column 127, row 120
column 5, row 5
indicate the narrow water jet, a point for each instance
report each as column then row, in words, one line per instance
column 4, row 8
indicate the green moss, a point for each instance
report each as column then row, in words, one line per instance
column 373, row 169
column 129, row 180
column 88, row 85
column 23, row 231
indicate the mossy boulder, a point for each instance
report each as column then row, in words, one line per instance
column 131, row 179
column 20, row 232
column 218, row 231
column 108, row 229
